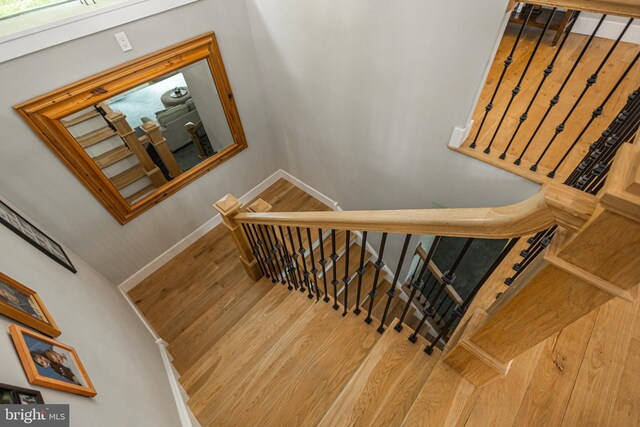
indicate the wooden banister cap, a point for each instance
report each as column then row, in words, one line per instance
column 227, row 205
column 116, row 115
column 149, row 126
column 621, row 193
column 259, row 206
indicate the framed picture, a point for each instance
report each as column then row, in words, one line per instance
column 12, row 395
column 25, row 306
column 34, row 236
column 49, row 363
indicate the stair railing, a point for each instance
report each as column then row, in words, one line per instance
column 592, row 259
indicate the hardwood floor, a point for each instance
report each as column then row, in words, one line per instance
column 614, row 68
column 254, row 353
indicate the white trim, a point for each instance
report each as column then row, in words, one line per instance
column 610, row 28
column 309, row 190
column 183, row 244
column 176, row 389
column 44, row 36
column 135, row 308
column 460, row 135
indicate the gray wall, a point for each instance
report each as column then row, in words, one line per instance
column 119, row 354
column 364, row 96
column 34, row 179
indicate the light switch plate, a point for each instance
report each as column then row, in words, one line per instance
column 123, row 41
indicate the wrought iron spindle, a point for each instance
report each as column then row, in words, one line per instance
column 546, row 73
column 517, row 88
column 274, row 252
column 314, row 270
column 379, row 265
column 546, row 241
column 267, row 256
column 283, row 259
column 460, row 310
column 361, row 270
column 556, row 99
column 290, row 264
column 294, row 255
column 392, row 292
column 596, row 113
column 590, row 82
column 254, row 249
column 323, row 263
column 346, row 279
column 449, row 276
column 417, row 284
column 334, row 257
column 507, row 63
column 302, row 251
column 599, row 148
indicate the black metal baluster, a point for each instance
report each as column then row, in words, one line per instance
column 417, row 284
column 459, row 312
column 314, row 270
column 392, row 292
column 556, row 99
column 295, row 255
column 274, row 252
column 261, row 251
column 334, row 257
column 290, row 265
column 268, row 257
column 361, row 271
column 346, row 279
column 283, row 259
column 596, row 113
column 590, row 82
column 323, row 263
column 254, row 249
column 507, row 63
column 379, row 265
column 302, row 251
column 546, row 241
column 546, row 73
column 448, row 277
column 516, row 89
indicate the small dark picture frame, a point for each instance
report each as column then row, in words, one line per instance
column 12, row 395
column 29, row 232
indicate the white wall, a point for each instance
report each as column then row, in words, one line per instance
column 34, row 179
column 119, row 354
column 364, row 96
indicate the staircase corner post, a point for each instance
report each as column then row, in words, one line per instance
column 591, row 259
column 228, row 207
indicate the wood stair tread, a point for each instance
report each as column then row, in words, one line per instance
column 112, row 156
column 253, row 335
column 93, row 137
column 205, row 332
column 81, row 118
column 269, row 373
column 128, row 177
column 139, row 194
column 385, row 385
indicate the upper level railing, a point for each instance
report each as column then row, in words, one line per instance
column 543, row 105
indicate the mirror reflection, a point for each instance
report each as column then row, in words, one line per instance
column 150, row 135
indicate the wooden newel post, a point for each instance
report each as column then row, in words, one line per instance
column 152, row 129
column 228, row 207
column 592, row 259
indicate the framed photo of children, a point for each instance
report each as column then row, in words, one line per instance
column 50, row 363
column 12, row 395
column 34, row 236
column 25, row 306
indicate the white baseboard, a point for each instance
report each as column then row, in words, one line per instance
column 309, row 190
column 460, row 135
column 610, row 28
column 176, row 390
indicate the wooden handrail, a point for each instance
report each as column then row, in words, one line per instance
column 629, row 8
column 554, row 204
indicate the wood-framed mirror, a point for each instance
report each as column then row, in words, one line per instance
column 139, row 132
